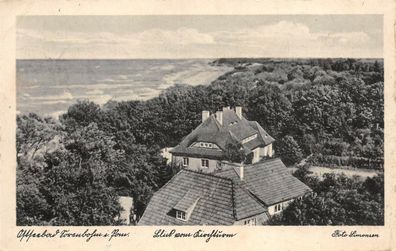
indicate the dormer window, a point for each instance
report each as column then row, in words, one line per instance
column 205, row 145
column 185, row 206
column 180, row 215
column 249, row 138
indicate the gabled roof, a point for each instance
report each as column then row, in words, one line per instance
column 222, row 198
column 209, row 131
column 263, row 135
column 218, row 201
column 269, row 181
column 214, row 207
column 245, row 203
column 240, row 128
column 233, row 129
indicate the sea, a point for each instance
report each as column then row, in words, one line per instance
column 49, row 87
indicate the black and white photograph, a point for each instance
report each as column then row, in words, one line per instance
column 215, row 120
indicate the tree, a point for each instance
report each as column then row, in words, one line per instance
column 33, row 134
column 377, row 66
column 288, row 150
column 95, row 153
column 81, row 114
column 70, row 187
column 271, row 109
column 234, row 152
column 336, row 200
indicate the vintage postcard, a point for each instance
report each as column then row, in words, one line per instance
column 224, row 125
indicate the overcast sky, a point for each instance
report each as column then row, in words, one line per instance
column 115, row 37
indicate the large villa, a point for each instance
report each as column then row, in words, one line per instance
column 209, row 190
column 204, row 147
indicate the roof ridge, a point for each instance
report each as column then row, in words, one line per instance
column 233, row 201
column 232, row 135
column 216, row 121
column 251, row 194
column 174, row 177
column 206, row 174
column 235, row 164
column 236, row 172
column 257, row 198
column 264, row 161
column 259, row 131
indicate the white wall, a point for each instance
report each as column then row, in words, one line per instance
column 256, row 155
column 270, row 152
column 195, row 164
column 261, row 219
column 271, row 209
column 261, row 152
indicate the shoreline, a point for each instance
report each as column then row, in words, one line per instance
column 192, row 73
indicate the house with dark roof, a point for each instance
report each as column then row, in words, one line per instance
column 205, row 146
column 236, row 194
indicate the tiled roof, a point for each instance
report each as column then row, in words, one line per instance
column 245, row 204
column 240, row 128
column 187, row 201
column 214, row 207
column 233, row 129
column 222, row 198
column 264, row 136
column 269, row 181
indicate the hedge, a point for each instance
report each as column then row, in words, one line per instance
column 337, row 161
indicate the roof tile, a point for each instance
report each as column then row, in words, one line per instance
column 234, row 129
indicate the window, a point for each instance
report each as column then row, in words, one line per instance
column 205, row 145
column 250, row 222
column 205, row 163
column 180, row 215
column 249, row 138
column 185, row 161
column 278, row 207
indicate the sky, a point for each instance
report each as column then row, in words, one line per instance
column 167, row 36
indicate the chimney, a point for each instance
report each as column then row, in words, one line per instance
column 219, row 117
column 226, row 108
column 241, row 169
column 205, row 115
column 238, row 111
